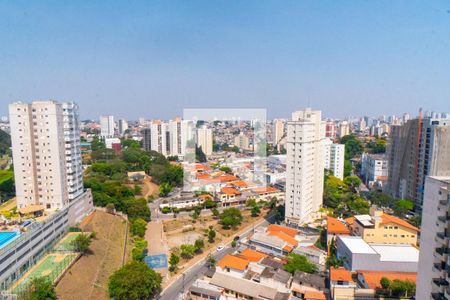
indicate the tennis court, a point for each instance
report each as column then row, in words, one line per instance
column 65, row 245
column 52, row 266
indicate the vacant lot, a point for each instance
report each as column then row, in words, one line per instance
column 88, row 277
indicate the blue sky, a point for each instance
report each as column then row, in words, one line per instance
column 154, row 58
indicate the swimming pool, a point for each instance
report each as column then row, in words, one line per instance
column 6, row 237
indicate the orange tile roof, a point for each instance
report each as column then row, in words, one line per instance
column 200, row 167
column 340, row 274
column 227, row 177
column 229, row 191
column 233, row 262
column 206, row 197
column 240, row 183
column 289, row 231
column 334, row 226
column 350, row 220
column 264, row 190
column 373, row 278
column 203, row 176
column 253, row 255
column 385, row 218
column 287, row 248
column 285, row 237
column 313, row 295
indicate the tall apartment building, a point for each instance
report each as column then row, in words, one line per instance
column 242, row 141
column 374, row 169
column 46, row 155
column 419, row 148
column 159, row 137
column 205, row 140
column 279, row 126
column 334, row 156
column 177, row 137
column 146, row 139
column 107, row 126
column 74, row 163
column 123, row 126
column 304, row 166
column 344, row 129
column 433, row 275
column 330, row 129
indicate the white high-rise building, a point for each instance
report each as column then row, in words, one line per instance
column 45, row 142
column 160, row 137
column 205, row 140
column 123, row 126
column 304, row 166
column 107, row 126
column 432, row 277
column 278, row 131
column 344, row 129
column 178, row 133
column 74, row 163
column 334, row 156
column 242, row 141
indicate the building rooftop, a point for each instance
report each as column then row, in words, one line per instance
column 357, row 245
column 252, row 255
column 373, row 278
column 314, row 280
column 340, row 274
column 233, row 262
column 334, row 226
column 402, row 253
column 243, row 286
column 386, row 218
column 364, row 220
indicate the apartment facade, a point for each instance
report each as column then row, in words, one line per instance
column 374, row 169
column 107, row 126
column 39, row 156
column 334, row 156
column 123, row 126
column 381, row 228
column 417, row 149
column 433, row 275
column 305, row 165
column 205, row 140
column 74, row 163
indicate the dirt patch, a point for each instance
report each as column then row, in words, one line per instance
column 88, row 277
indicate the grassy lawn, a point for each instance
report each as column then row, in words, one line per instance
column 88, row 277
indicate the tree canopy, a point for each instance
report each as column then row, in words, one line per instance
column 297, row 262
column 231, row 217
column 134, row 281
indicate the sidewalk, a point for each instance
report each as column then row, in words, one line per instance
column 157, row 243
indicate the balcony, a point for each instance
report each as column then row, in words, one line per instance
column 443, row 235
column 444, row 218
column 443, row 250
column 444, row 202
column 438, row 296
column 440, row 282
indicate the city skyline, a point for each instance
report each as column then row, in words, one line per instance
column 348, row 59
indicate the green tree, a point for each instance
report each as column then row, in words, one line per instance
column 215, row 212
column 233, row 244
column 199, row 244
column 352, row 181
column 187, row 251
column 297, row 262
column 348, row 167
column 40, row 288
column 385, row 283
column 134, row 281
column 138, row 227
column 173, row 261
column 255, row 211
column 139, row 248
column 81, row 243
column 225, row 169
column 403, row 206
column 250, row 202
column 165, row 189
column 231, row 217
column 137, row 208
column 211, row 235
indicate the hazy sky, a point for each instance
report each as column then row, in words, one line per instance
column 154, row 58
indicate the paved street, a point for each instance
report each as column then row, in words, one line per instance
column 175, row 290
